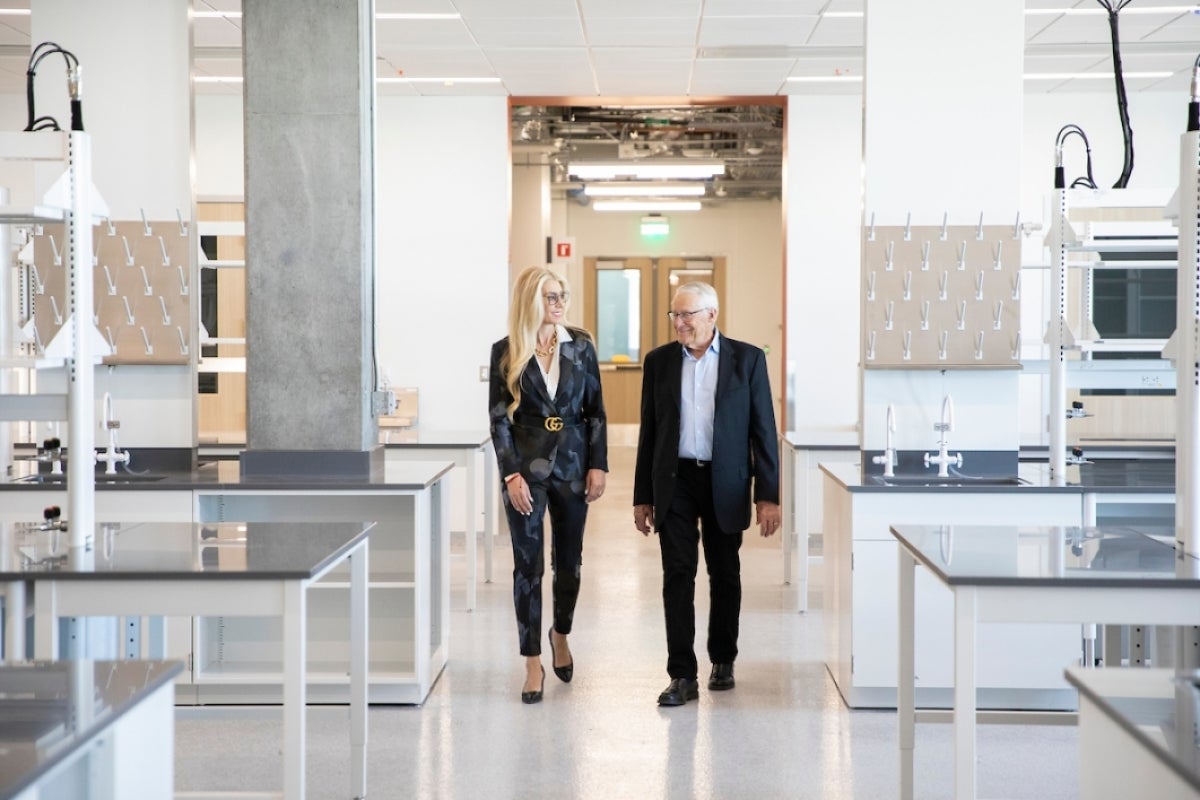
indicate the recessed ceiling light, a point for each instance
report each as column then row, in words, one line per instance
column 649, row 168
column 646, row 205
column 640, row 189
column 15, row 12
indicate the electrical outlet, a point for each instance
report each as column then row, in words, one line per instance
column 483, row 374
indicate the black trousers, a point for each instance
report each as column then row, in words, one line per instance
column 691, row 521
column 568, row 515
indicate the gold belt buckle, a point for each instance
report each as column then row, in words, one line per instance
column 553, row 423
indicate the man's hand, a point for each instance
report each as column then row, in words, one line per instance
column 769, row 517
column 642, row 515
column 596, row 479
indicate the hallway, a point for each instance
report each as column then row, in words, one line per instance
column 782, row 733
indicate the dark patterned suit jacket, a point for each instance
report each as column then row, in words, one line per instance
column 745, row 441
column 524, row 444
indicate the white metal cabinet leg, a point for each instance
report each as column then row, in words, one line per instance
column 490, row 480
column 45, row 619
column 787, row 469
column 471, row 534
column 965, row 616
column 906, row 686
column 14, row 621
column 359, row 620
column 295, row 608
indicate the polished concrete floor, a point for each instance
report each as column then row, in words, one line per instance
column 782, row 733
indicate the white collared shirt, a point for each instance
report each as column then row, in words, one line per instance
column 551, row 376
column 697, row 401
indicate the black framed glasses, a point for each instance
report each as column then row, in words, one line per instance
column 686, row 316
column 555, row 298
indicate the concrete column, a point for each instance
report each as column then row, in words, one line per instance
column 310, row 236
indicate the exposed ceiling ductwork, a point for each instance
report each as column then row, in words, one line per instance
column 748, row 139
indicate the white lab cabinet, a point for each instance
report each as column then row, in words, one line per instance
column 1019, row 666
column 237, row 659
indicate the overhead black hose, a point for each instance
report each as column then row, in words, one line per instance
column 1193, row 118
column 36, row 123
column 1060, row 181
column 1122, row 99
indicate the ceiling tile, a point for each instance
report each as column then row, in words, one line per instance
column 415, row 7
column 218, row 32
column 767, row 68
column 827, row 67
column 642, row 86
column 220, row 67
column 422, row 33
column 838, row 31
column 652, row 32
column 540, row 32
column 550, row 60
column 526, row 9
column 457, row 63
column 732, row 31
column 762, row 8
column 640, row 9
column 622, row 57
column 216, row 5
column 542, row 84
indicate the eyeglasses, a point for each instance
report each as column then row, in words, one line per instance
column 686, row 316
column 556, row 299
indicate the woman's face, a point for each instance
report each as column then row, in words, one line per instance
column 554, row 303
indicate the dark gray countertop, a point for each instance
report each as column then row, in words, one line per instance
column 1146, row 704
column 226, row 476
column 39, row 728
column 180, row 550
column 1108, row 477
column 1026, row 555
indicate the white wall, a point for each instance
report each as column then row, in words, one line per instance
column 443, row 191
column 824, row 200
column 220, row 156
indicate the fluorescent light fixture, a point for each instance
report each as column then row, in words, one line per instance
column 656, row 189
column 655, row 225
column 651, row 168
column 1131, row 9
column 825, row 79
column 646, row 205
column 1090, row 76
column 15, row 12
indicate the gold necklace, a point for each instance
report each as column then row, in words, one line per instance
column 549, row 351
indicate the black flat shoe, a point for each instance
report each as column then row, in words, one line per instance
column 529, row 698
column 679, row 692
column 564, row 673
column 721, row 677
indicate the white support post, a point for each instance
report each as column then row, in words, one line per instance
column 81, row 403
column 1057, row 338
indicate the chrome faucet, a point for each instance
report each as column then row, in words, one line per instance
column 111, row 456
column 943, row 459
column 888, row 459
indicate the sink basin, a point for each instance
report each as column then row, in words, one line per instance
column 118, row 478
column 953, row 480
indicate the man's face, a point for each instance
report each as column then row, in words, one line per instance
column 694, row 323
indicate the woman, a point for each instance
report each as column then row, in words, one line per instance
column 551, row 440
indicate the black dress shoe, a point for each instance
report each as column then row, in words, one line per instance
column 535, row 696
column 564, row 673
column 721, row 677
column 679, row 692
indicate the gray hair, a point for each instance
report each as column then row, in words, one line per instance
column 706, row 293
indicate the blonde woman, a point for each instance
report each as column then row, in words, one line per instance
column 551, row 440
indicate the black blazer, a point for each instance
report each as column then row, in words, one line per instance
column 745, row 440
column 526, row 444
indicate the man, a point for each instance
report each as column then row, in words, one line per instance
column 707, row 433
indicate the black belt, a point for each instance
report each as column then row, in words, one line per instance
column 547, row 423
column 694, row 462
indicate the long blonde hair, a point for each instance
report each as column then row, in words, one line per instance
column 525, row 316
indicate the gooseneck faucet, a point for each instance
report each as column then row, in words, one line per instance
column 943, row 459
column 111, row 456
column 888, row 459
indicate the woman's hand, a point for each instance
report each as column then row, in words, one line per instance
column 596, row 478
column 519, row 495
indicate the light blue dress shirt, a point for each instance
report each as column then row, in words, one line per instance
column 697, row 401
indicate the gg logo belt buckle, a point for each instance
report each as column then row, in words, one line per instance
column 553, row 423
